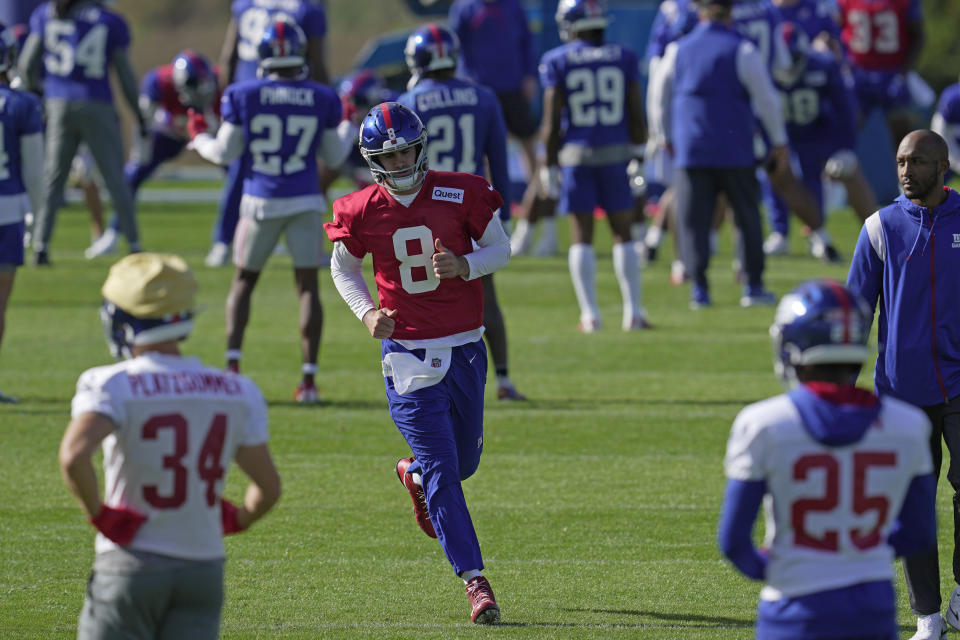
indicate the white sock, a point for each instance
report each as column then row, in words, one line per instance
column 654, row 237
column 469, row 575
column 520, row 239
column 627, row 268
column 821, row 236
column 583, row 272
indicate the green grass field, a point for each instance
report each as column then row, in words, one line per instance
column 595, row 502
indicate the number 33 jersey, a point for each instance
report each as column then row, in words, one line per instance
column 452, row 207
column 829, row 509
column 178, row 425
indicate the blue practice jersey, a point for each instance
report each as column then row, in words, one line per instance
column 253, row 16
column 283, row 122
column 20, row 115
column 496, row 47
column 77, row 51
column 820, row 107
column 949, row 108
column 814, row 17
column 464, row 123
column 760, row 22
column 674, row 19
column 595, row 81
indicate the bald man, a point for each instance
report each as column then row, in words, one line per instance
column 908, row 257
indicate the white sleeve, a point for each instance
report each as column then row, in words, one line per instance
column 347, row 273
column 256, row 432
column 746, row 452
column 494, row 251
column 947, row 131
column 753, row 74
column 31, row 155
column 661, row 95
column 222, row 150
column 98, row 392
column 337, row 143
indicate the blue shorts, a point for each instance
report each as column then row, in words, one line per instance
column 585, row 188
column 865, row 611
column 11, row 244
column 443, row 424
column 886, row 90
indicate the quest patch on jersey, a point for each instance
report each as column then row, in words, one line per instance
column 449, row 194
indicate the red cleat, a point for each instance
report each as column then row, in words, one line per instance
column 416, row 494
column 306, row 394
column 485, row 609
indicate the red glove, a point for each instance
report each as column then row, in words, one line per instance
column 228, row 517
column 118, row 524
column 196, row 123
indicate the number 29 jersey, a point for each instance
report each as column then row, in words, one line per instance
column 452, row 207
column 178, row 426
column 829, row 508
column 594, row 80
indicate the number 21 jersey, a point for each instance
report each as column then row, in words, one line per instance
column 829, row 508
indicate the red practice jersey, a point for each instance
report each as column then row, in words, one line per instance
column 454, row 207
column 875, row 32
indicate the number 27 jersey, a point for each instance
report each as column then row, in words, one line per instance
column 452, row 207
column 829, row 508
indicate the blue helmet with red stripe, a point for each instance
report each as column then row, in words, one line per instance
column 431, row 48
column 796, row 43
column 819, row 322
column 193, row 78
column 360, row 90
column 574, row 16
column 282, row 45
column 391, row 127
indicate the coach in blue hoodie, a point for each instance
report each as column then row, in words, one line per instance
column 908, row 258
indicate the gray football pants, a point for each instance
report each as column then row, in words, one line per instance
column 696, row 190
column 922, row 570
column 162, row 599
column 70, row 122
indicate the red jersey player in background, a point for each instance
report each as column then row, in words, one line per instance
column 883, row 40
column 419, row 225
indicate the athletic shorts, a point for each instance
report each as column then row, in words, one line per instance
column 255, row 239
column 153, row 597
column 585, row 188
column 886, row 90
column 517, row 114
column 11, row 246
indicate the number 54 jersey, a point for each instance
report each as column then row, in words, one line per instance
column 178, row 425
column 829, row 509
column 452, row 207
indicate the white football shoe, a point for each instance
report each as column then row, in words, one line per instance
column 776, row 244
column 953, row 609
column 106, row 244
column 218, row 255
column 931, row 627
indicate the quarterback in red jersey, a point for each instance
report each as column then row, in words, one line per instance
column 421, row 227
column 883, row 40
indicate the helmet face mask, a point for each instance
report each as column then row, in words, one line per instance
column 431, row 48
column 193, row 79
column 819, row 323
column 283, row 45
column 387, row 128
column 575, row 16
column 148, row 298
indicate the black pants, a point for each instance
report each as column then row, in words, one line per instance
column 922, row 570
column 697, row 189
